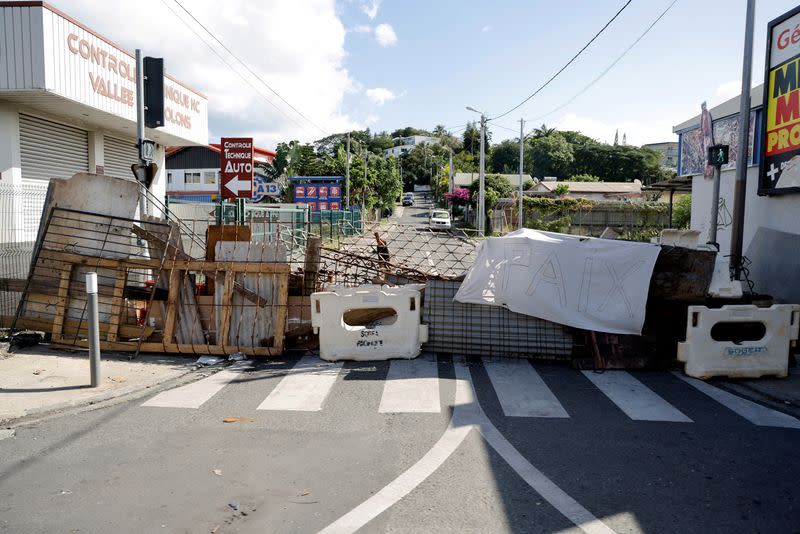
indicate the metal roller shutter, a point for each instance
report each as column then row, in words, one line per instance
column 118, row 156
column 51, row 150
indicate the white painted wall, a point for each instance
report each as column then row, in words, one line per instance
column 771, row 238
column 10, row 164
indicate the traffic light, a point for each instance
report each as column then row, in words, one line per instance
column 718, row 155
column 145, row 173
column 153, row 70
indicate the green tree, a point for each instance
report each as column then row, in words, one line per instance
column 552, row 156
column 561, row 190
column 682, row 211
column 504, row 157
column 543, row 131
column 584, row 178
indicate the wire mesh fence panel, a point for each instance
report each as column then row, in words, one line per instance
column 456, row 328
column 20, row 213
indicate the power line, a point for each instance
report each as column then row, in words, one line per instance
column 568, row 62
column 607, row 69
column 249, row 69
column 248, row 82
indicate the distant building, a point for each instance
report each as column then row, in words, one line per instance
column 668, row 151
column 591, row 190
column 193, row 172
column 404, row 145
column 464, row 179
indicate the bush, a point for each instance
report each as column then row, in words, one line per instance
column 682, row 212
column 584, row 178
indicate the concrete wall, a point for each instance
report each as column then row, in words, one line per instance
column 771, row 232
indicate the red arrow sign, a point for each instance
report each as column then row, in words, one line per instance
column 236, row 167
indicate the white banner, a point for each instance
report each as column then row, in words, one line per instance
column 584, row 282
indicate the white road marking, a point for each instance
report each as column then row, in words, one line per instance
column 634, row 398
column 752, row 411
column 411, row 386
column 305, row 387
column 521, row 391
column 197, row 393
column 467, row 414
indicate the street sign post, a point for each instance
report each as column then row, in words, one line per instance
column 236, row 167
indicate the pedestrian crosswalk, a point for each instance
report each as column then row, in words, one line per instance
column 413, row 386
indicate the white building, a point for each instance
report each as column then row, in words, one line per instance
column 771, row 223
column 68, row 103
column 404, row 145
column 600, row 191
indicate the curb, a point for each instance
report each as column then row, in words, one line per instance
column 107, row 398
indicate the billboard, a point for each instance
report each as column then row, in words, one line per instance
column 780, row 162
column 320, row 197
column 236, row 167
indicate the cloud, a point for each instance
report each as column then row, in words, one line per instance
column 371, row 8
column 486, row 28
column 304, row 63
column 384, row 34
column 380, row 95
column 361, row 28
column 637, row 132
column 371, row 119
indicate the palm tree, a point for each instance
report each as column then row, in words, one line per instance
column 543, row 131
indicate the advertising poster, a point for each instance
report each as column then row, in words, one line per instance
column 780, row 164
column 299, row 193
column 323, row 192
column 236, row 167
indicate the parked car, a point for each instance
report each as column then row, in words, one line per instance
column 439, row 220
column 408, row 199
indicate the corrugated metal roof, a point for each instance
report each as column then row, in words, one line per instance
column 592, row 187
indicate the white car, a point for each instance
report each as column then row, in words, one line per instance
column 439, row 220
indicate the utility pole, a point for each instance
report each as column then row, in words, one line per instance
column 481, row 179
column 521, row 145
column 450, row 174
column 740, row 186
column 364, row 188
column 347, row 176
column 140, row 132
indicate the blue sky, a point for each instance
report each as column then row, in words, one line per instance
column 387, row 64
column 490, row 55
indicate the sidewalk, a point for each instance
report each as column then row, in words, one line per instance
column 37, row 380
column 783, row 394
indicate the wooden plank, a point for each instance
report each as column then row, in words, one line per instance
column 75, row 327
column 173, row 301
column 224, row 232
column 61, row 306
column 117, row 304
column 225, row 313
column 205, row 267
column 281, row 312
column 173, row 348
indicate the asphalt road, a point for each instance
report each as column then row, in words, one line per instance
column 338, row 446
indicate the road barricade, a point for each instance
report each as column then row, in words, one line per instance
column 739, row 341
column 368, row 322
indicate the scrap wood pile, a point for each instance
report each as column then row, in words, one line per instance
column 152, row 295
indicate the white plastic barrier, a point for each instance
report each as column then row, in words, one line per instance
column 769, row 355
column 396, row 337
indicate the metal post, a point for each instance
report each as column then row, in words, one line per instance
column 450, row 186
column 481, row 177
column 671, row 195
column 364, row 187
column 521, row 145
column 347, row 175
column 94, row 328
column 712, row 229
column 140, row 130
column 740, row 186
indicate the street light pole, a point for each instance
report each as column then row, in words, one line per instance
column 482, row 179
column 347, row 176
column 481, row 175
column 740, row 185
column 521, row 144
